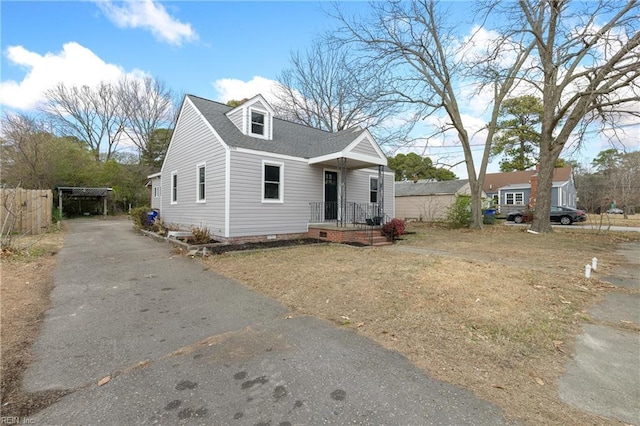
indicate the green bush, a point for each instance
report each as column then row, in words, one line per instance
column 140, row 217
column 459, row 213
column 56, row 215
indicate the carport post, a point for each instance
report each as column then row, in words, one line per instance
column 59, row 207
column 104, row 209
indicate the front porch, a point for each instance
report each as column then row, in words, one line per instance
column 348, row 213
column 352, row 233
column 359, row 223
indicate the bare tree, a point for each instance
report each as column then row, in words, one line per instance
column 147, row 105
column 24, row 151
column 617, row 180
column 585, row 70
column 93, row 115
column 328, row 88
column 32, row 157
column 417, row 44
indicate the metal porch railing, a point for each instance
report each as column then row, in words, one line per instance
column 354, row 213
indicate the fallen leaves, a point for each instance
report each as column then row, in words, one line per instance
column 557, row 344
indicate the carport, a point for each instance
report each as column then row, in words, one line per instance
column 71, row 193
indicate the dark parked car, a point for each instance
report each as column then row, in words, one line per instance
column 564, row 215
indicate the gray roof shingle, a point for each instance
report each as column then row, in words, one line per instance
column 427, row 187
column 288, row 138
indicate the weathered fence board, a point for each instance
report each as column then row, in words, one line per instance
column 25, row 211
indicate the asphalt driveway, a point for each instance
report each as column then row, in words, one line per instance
column 184, row 345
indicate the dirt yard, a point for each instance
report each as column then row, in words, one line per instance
column 495, row 311
column 25, row 285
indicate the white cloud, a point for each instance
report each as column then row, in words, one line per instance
column 151, row 16
column 230, row 88
column 75, row 65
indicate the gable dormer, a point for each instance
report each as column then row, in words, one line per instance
column 253, row 118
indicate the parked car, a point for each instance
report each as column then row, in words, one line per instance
column 615, row 211
column 564, row 215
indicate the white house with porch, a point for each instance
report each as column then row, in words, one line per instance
column 248, row 176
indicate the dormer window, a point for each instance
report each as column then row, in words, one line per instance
column 257, row 123
column 253, row 118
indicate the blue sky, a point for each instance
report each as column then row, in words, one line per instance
column 215, row 49
column 222, row 40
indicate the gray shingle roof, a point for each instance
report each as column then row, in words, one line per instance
column 288, row 138
column 426, row 187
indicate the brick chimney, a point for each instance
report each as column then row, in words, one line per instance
column 534, row 188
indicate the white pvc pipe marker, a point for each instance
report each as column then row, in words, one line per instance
column 594, row 264
column 587, row 271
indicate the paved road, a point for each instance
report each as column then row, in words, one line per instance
column 184, row 345
column 583, row 226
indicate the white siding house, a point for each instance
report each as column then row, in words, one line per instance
column 156, row 190
column 247, row 175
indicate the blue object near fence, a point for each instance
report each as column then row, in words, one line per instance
column 489, row 216
column 151, row 217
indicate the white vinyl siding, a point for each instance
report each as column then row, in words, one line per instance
column 194, row 143
column 249, row 215
column 359, row 188
column 365, row 148
column 156, row 193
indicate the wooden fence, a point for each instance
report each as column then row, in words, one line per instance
column 25, row 211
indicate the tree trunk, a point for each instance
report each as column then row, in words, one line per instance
column 476, row 203
column 542, row 214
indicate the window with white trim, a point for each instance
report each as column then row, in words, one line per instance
column 514, row 198
column 174, row 187
column 257, row 123
column 272, row 182
column 201, row 174
column 373, row 189
column 156, row 192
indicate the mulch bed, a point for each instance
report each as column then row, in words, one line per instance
column 225, row 248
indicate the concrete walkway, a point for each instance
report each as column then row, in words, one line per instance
column 604, row 374
column 184, row 345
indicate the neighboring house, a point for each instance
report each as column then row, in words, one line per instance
column 514, row 190
column 248, row 176
column 154, row 183
column 427, row 200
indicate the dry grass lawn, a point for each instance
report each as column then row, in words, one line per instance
column 604, row 220
column 495, row 311
column 25, row 285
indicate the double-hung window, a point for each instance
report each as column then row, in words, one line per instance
column 514, row 198
column 257, row 123
column 174, row 187
column 272, row 182
column 201, row 179
column 373, row 190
